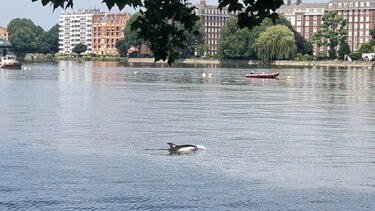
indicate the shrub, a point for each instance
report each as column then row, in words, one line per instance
column 305, row 57
column 356, row 56
column 321, row 56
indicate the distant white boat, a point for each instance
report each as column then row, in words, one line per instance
column 10, row 62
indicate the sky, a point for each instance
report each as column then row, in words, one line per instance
column 46, row 18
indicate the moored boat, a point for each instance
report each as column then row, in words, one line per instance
column 10, row 62
column 262, row 75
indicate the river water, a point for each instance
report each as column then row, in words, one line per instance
column 83, row 135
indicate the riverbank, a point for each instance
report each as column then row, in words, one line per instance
column 254, row 62
column 196, row 62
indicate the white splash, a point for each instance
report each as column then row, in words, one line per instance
column 201, row 147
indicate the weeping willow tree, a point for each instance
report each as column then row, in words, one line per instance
column 277, row 42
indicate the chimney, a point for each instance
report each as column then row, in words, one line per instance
column 289, row 2
column 298, row 2
column 203, row 3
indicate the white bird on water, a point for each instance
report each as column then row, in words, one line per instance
column 210, row 74
column 203, row 75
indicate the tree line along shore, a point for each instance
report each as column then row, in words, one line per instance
column 267, row 42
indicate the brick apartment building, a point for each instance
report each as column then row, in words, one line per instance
column 360, row 16
column 305, row 18
column 107, row 29
column 212, row 19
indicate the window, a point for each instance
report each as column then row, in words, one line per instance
column 306, row 29
column 350, row 33
column 330, row 5
column 315, row 29
column 307, row 23
column 299, row 17
column 361, row 19
column 362, row 4
column 307, row 17
column 299, row 23
column 315, row 17
column 315, row 23
column 307, row 36
column 361, row 26
column 339, row 6
column 361, row 33
column 299, row 29
column 367, row 18
column 367, row 4
column 350, row 19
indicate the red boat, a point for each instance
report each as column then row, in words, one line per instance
column 262, row 75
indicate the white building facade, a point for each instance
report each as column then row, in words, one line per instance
column 74, row 28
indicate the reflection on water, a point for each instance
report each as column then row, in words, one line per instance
column 74, row 134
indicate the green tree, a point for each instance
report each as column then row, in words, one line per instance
column 157, row 23
column 277, row 42
column 79, row 48
column 237, row 43
column 194, row 42
column 201, row 48
column 23, row 41
column 308, row 48
column 50, row 40
column 372, row 33
column 25, row 36
column 366, row 48
column 121, row 48
column 131, row 37
column 23, row 23
column 331, row 33
column 303, row 46
column 344, row 50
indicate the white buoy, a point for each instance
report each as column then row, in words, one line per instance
column 98, row 71
column 24, row 68
column 203, row 75
column 29, row 68
column 210, row 74
column 135, row 72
